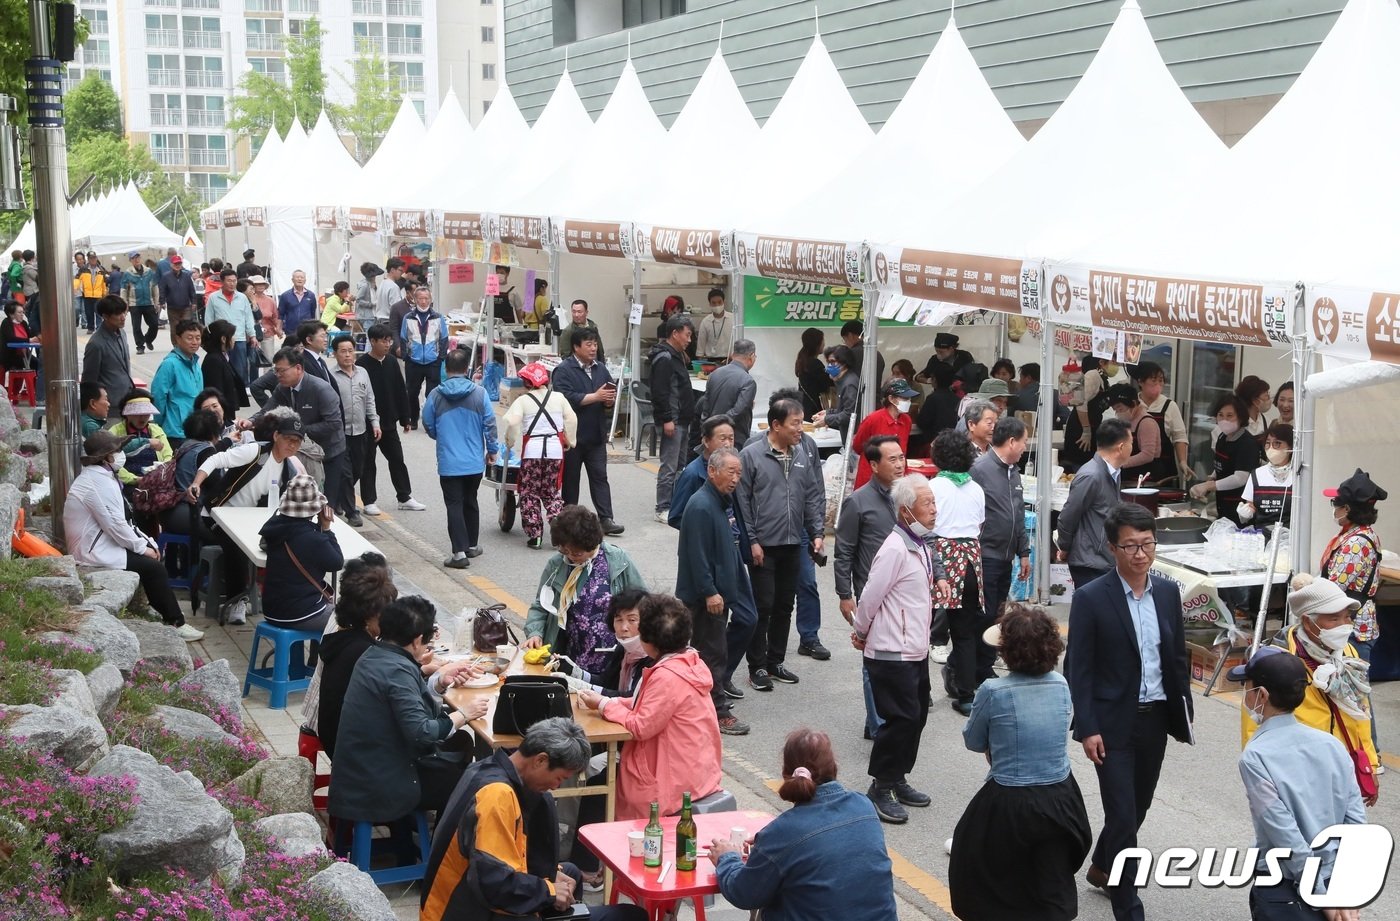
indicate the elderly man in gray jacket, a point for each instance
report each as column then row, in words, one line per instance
column 1092, row 494
column 361, row 422
column 1004, row 539
column 782, row 493
column 730, row 391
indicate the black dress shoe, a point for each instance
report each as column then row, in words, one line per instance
column 611, row 528
column 474, row 552
column 1096, row 877
column 815, row 649
column 354, row 520
column 457, row 562
column 780, row 673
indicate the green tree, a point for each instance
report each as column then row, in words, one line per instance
column 92, row 110
column 265, row 102
column 376, row 101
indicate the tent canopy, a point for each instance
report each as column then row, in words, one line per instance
column 259, row 173
column 562, row 128
column 401, row 146
column 447, row 147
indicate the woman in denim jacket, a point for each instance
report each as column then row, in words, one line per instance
column 823, row 858
column 1029, row 814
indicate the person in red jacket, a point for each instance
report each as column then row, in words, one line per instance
column 892, row 418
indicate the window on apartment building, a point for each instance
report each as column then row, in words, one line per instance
column 96, row 20
column 296, row 26
column 488, row 71
column 368, row 35
column 200, row 23
column 405, row 38
column 208, row 150
column 575, row 20
column 97, row 51
column 204, row 111
column 488, row 33
column 163, row 70
column 303, row 6
column 168, row 149
column 264, row 34
column 409, row 74
column 273, row 67
column 488, row 2
column 166, row 110
column 418, row 106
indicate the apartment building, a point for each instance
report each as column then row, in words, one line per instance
column 176, row 64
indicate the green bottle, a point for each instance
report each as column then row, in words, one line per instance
column 685, row 837
column 651, row 839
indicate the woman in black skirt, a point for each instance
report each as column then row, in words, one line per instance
column 1029, row 814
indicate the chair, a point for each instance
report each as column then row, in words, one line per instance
column 22, row 385
column 284, row 676
column 641, row 396
column 309, row 746
column 212, row 596
column 178, row 565
column 362, row 853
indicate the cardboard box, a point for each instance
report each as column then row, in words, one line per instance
column 1203, row 660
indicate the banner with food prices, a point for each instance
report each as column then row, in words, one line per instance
column 1358, row 323
column 958, row 279
column 209, row 220
column 1203, row 310
column 591, row 238
column 827, row 262
column 791, row 304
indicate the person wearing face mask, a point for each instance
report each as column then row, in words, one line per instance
column 570, row 610
column 1337, row 699
column 891, row 628
column 716, row 330
column 892, row 418
column 1236, row 456
column 97, row 522
column 1267, row 497
column 1255, row 392
column 1297, row 781
column 1151, row 381
column 839, row 367
column 1151, row 452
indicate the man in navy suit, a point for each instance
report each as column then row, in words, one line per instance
column 1127, row 671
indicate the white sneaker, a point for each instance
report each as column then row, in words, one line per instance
column 238, row 614
column 412, row 505
column 939, row 654
column 372, row 510
column 189, row 634
column 948, row 845
column 663, row 516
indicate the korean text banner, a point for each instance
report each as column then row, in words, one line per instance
column 1229, row 312
column 784, row 303
column 825, row 262
column 1355, row 323
column 958, row 279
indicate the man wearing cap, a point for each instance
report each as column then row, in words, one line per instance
column 318, row 405
column 891, row 418
column 1004, row 538
column 177, row 293
column 731, row 391
column 945, row 351
column 248, row 268
column 301, row 549
column 1127, row 670
column 1298, row 781
column 1352, row 557
column 139, row 291
column 166, row 265
column 106, row 357
column 265, row 308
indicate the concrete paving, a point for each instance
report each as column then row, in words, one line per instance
column 1200, row 801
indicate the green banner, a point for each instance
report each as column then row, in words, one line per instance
column 771, row 302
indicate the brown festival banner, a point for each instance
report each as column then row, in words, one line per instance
column 518, row 230
column 1183, row 308
column 821, row 261
column 592, row 238
column 364, row 220
column 461, row 225
column 701, row 248
column 985, row 282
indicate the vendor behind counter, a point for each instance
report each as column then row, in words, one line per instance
column 1237, row 454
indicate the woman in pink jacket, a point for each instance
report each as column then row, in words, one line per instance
column 675, row 745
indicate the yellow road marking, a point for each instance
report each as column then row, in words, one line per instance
column 649, row 467
column 926, row 884
column 499, row 595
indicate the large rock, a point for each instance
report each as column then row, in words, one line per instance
column 32, row 441
column 105, row 685
column 112, row 589
column 281, row 784
column 73, row 692
column 67, row 589
column 161, row 646
column 353, row 893
column 74, row 738
column 15, row 472
column 175, row 825
column 11, row 501
column 295, row 834
column 217, row 682
column 112, row 639
column 188, row 724
column 9, row 426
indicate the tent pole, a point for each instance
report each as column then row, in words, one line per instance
column 736, row 306
column 1044, row 466
column 1304, row 442
column 870, row 361
column 555, row 301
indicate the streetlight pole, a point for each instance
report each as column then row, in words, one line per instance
column 43, row 74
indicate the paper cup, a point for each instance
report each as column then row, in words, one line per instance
column 503, row 651
column 636, row 843
column 738, row 835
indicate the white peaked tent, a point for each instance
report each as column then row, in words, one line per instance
column 401, row 146
column 598, row 180
column 126, row 224
column 914, row 165
column 446, row 158
column 562, row 128
column 258, row 173
column 311, row 171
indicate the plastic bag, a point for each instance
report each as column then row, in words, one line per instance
column 491, row 376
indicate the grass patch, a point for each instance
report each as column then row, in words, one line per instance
column 31, row 609
column 25, row 660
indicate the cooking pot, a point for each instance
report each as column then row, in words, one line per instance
column 1181, row 529
column 1146, row 496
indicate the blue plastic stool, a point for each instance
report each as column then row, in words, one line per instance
column 285, row 675
column 182, row 573
column 362, row 853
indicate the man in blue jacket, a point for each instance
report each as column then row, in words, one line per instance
column 424, row 337
column 458, row 417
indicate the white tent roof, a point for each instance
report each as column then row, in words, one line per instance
column 448, row 155
column 1122, row 141
column 316, row 171
column 599, row 177
column 263, row 167
column 123, row 223
column 562, row 129
column 914, row 164
column 402, row 146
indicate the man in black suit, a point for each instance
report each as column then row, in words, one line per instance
column 1127, row 671
column 1092, row 493
column 584, row 381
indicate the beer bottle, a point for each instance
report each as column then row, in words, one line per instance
column 685, row 837
column 651, row 839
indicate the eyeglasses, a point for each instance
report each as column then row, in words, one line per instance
column 1144, row 548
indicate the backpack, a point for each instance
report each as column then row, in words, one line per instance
column 155, row 492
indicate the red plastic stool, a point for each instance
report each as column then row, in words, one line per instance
column 309, row 746
column 21, row 385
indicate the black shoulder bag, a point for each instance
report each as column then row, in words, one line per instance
column 526, row 699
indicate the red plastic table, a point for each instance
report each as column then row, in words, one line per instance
column 630, row 878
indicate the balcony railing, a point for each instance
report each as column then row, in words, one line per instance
column 208, row 157
column 167, row 118
column 162, row 38
column 97, row 27
column 204, row 78
column 209, row 196
column 303, row 6
column 169, row 3
column 93, row 58
column 263, row 41
column 408, row 84
column 405, row 7
column 367, row 7
column 206, row 118
column 405, row 46
column 364, row 44
column 263, row 6
column 163, row 78
column 169, row 156
column 200, row 4
column 204, row 40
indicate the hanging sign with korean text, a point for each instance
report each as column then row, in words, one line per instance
column 700, row 247
column 826, row 262
column 1356, row 323
column 958, row 279
column 592, row 238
